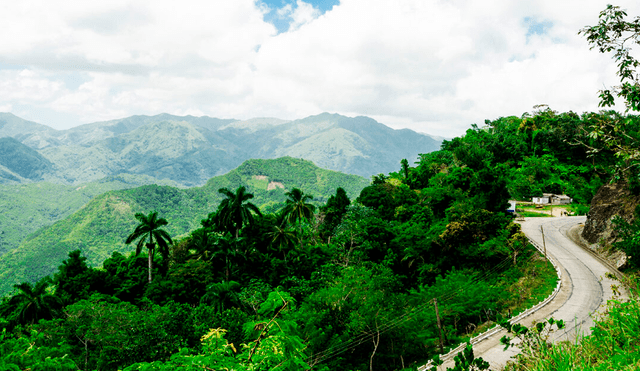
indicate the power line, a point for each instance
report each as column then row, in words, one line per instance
column 356, row 341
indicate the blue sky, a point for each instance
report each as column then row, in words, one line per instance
column 433, row 66
column 282, row 22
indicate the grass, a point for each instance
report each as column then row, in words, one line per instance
column 532, row 214
column 532, row 210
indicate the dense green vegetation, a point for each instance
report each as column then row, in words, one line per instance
column 102, row 226
column 264, row 277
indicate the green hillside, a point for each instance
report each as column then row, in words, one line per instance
column 22, row 159
column 100, row 227
column 25, row 208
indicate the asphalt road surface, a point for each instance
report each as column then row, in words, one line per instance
column 584, row 292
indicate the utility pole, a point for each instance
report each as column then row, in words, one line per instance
column 543, row 244
column 435, row 302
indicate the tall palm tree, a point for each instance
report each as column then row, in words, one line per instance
column 32, row 303
column 234, row 211
column 297, row 208
column 150, row 227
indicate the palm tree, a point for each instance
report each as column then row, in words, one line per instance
column 33, row 303
column 227, row 247
column 297, row 208
column 281, row 238
column 221, row 295
column 150, row 226
column 202, row 241
column 234, row 211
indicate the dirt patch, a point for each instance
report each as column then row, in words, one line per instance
column 274, row 185
column 260, row 177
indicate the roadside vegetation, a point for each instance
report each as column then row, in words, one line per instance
column 614, row 341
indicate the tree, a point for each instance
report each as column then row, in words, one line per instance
column 221, row 295
column 31, row 303
column 150, row 226
column 297, row 208
column 334, row 210
column 75, row 280
column 613, row 34
column 234, row 211
column 405, row 170
column 281, row 238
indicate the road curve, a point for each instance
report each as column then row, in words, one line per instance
column 584, row 291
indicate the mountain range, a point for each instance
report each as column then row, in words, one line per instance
column 190, row 150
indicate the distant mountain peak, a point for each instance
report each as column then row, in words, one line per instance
column 189, row 150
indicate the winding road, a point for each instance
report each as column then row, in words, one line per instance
column 585, row 288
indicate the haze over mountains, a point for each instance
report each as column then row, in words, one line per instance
column 190, row 150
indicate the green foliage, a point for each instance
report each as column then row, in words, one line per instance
column 614, row 34
column 629, row 242
column 111, row 334
column 31, row 303
column 465, row 361
column 32, row 352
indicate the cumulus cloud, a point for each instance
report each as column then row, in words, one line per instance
column 429, row 65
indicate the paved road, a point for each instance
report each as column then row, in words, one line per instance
column 584, row 291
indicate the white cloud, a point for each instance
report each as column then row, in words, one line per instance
column 303, row 14
column 434, row 66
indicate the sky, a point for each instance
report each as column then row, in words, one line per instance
column 433, row 66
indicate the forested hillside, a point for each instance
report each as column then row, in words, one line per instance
column 100, row 227
column 346, row 283
column 20, row 162
column 25, row 208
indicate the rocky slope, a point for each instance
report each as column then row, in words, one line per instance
column 610, row 200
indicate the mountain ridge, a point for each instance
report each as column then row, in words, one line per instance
column 204, row 147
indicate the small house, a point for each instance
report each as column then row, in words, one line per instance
column 553, row 199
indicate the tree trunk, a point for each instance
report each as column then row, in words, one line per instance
column 150, row 248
